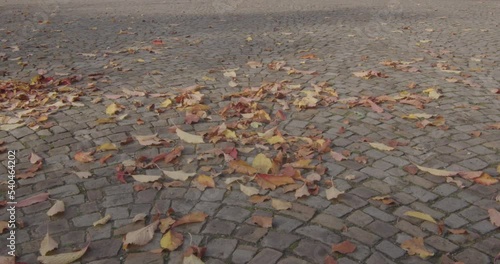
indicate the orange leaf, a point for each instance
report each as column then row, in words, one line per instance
column 263, row 221
column 330, row 260
column 345, row 247
column 458, row 231
column 194, row 217
column 204, row 181
column 485, row 179
column 84, row 157
column 267, row 181
column 242, row 167
column 337, row 156
column 105, row 158
column 176, row 152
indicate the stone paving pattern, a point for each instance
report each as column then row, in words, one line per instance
column 200, row 40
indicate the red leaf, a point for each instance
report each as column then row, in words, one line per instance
column 330, row 260
column 176, row 152
column 345, row 247
column 33, row 200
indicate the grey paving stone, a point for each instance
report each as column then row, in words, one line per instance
column 390, row 249
column 362, row 236
column 382, row 229
column 471, row 255
column 243, row 254
column 250, row 233
column 266, row 255
column 421, row 194
column 319, row 233
column 359, row 218
column 474, row 213
column 378, row 258
column 450, row 204
column 328, row 221
column 278, row 240
column 285, row 224
column 454, row 221
column 221, row 248
column 489, row 246
column 338, row 210
column 233, row 213
column 441, row 244
column 379, row 214
column 314, row 251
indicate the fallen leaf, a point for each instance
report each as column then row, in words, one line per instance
column 333, row 193
column 34, row 158
column 249, row 191
column 166, row 223
column 458, row 231
column 189, row 138
column 262, row 221
column 420, row 215
column 381, row 146
column 141, row 236
column 48, row 244
column 4, row 225
column 262, row 163
column 171, row 240
column 280, row 204
column 33, row 200
column 84, row 157
column 82, row 174
column 437, row 172
column 63, row 258
column 267, row 181
column 140, row 217
column 416, row 246
column 178, row 175
column 166, row 103
column 113, row 108
column 146, row 178
column 242, row 167
column 58, row 207
column 9, row 127
column 149, row 140
column 485, row 179
column 194, row 217
column 302, row 191
column 345, row 247
column 103, row 220
column 330, row 260
column 337, row 156
column 254, row 64
column 204, row 181
column 106, row 146
column 172, row 155
column 494, row 217
column 258, row 199
column 105, row 158
column 386, row 199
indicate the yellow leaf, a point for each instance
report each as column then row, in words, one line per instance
column 421, row 215
column 262, row 163
column 178, row 175
column 48, row 244
column 275, row 139
column 418, row 116
column 437, row 172
column 10, row 127
column 204, row 181
column 333, row 193
column 416, row 246
column 432, row 93
column 280, row 204
column 58, row 207
column 141, row 236
column 171, row 240
column 106, row 146
column 381, row 146
column 64, row 258
column 249, row 191
column 189, row 138
column 191, row 259
column 112, row 109
column 103, row 220
column 166, row 103
column 146, row 178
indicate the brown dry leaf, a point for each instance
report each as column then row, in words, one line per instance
column 105, row 158
column 459, row 183
column 381, row 146
column 345, row 247
column 333, row 193
column 194, row 217
column 475, row 133
column 242, row 167
column 203, row 181
column 63, row 258
column 102, row 221
column 4, row 225
column 141, row 236
column 146, row 178
column 178, row 175
column 189, row 138
column 420, row 215
column 166, row 223
column 262, row 163
column 458, row 231
column 384, row 199
column 485, row 179
column 361, row 159
column 34, row 158
column 48, row 244
column 416, row 246
column 254, row 64
column 302, row 191
column 494, row 217
column 249, row 191
column 267, row 181
column 263, row 221
column 171, row 240
column 175, row 153
column 106, row 146
column 58, row 207
column 149, row 140
column 84, row 157
column 7, row 260
column 258, row 199
column 139, row 217
column 33, row 200
column 280, row 204
column 337, row 156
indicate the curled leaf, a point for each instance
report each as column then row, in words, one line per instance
column 63, row 258
column 141, row 236
column 48, row 244
column 420, row 215
column 189, row 138
column 58, row 207
column 103, row 220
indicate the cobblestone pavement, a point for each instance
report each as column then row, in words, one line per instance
column 451, row 45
